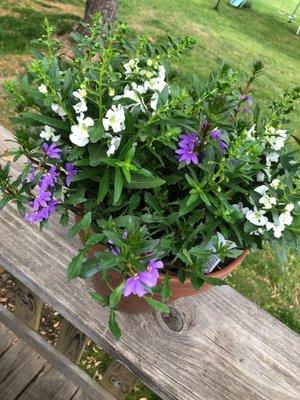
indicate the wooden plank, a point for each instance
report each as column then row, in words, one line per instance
column 223, row 346
column 79, row 395
column 50, row 385
column 58, row 360
column 19, row 365
column 71, row 342
column 28, row 306
column 118, row 380
column 7, row 338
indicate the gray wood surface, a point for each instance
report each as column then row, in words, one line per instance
column 71, row 342
column 25, row 375
column 214, row 346
column 90, row 387
column 6, row 339
column 118, row 380
column 18, row 367
column 50, row 384
column 28, row 306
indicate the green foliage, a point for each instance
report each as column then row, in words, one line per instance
column 117, row 110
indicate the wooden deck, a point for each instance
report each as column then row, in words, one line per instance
column 25, row 375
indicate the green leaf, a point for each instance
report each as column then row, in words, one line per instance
column 144, row 182
column 166, row 288
column 97, row 154
column 197, row 281
column 103, row 186
column 40, row 119
column 99, row 299
column 75, row 265
column 157, row 305
column 95, row 238
column 113, row 325
column 118, row 185
column 115, row 297
column 96, row 132
column 84, row 225
column 64, row 219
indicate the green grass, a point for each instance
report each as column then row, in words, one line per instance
column 237, row 36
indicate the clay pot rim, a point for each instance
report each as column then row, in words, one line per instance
column 220, row 273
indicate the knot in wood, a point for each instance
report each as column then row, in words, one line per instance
column 173, row 320
column 118, row 384
column 26, row 300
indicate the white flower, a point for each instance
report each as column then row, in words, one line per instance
column 80, row 135
column 289, row 207
column 157, row 83
column 115, row 117
column 58, row 109
column 267, row 201
column 43, row 89
column 48, row 134
column 272, row 157
column 256, row 217
column 276, row 138
column 275, row 183
column 131, row 66
column 260, row 177
column 285, row 218
column 132, row 94
column 113, row 144
column 250, row 133
column 277, row 229
column 261, row 189
column 240, row 207
column 81, row 106
column 154, row 101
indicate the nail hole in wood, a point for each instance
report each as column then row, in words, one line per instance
column 173, row 320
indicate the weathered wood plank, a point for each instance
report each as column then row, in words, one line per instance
column 118, row 380
column 71, row 342
column 222, row 345
column 19, row 365
column 58, row 360
column 6, row 339
column 28, row 306
column 50, row 385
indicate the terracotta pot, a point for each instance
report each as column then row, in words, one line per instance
column 135, row 304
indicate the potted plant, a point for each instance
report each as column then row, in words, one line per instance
column 172, row 178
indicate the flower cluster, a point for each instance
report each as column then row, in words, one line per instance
column 168, row 167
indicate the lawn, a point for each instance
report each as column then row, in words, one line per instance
column 237, row 36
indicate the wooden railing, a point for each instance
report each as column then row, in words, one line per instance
column 213, row 346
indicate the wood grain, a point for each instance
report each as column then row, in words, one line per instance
column 226, row 347
column 58, row 360
column 118, row 380
column 71, row 342
column 50, row 384
column 28, row 306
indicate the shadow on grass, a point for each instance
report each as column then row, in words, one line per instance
column 16, row 32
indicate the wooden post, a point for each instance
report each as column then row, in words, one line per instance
column 28, row 306
column 118, row 380
column 71, row 342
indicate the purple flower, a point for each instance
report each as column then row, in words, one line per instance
column 71, row 171
column 31, row 174
column 51, row 150
column 247, row 98
column 149, row 277
column 112, row 248
column 43, row 213
column 187, row 145
column 49, row 179
column 41, row 199
column 134, row 286
column 217, row 135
